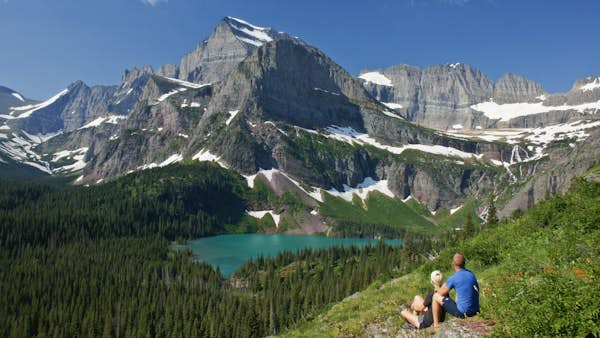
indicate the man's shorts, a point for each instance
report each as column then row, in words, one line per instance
column 451, row 308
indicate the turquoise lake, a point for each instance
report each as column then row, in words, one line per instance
column 229, row 252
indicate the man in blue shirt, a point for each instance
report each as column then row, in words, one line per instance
column 467, row 293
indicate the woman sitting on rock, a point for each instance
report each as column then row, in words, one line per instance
column 420, row 314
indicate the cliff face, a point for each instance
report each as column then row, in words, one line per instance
column 274, row 110
column 554, row 175
column 458, row 96
column 230, row 43
column 511, row 88
column 275, row 102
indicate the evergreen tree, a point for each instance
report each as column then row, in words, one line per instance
column 492, row 215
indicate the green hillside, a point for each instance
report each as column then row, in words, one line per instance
column 377, row 209
column 538, row 275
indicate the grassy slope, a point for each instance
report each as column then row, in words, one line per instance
column 377, row 209
column 412, row 215
column 538, row 275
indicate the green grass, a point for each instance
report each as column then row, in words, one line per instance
column 458, row 219
column 538, row 275
column 377, row 209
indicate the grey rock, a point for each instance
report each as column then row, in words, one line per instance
column 168, row 70
column 11, row 98
column 511, row 88
column 441, row 96
column 128, row 94
column 80, row 105
column 554, row 175
column 438, row 96
column 230, row 43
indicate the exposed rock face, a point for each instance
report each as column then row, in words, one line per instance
column 130, row 90
column 441, row 97
column 284, row 84
column 11, row 98
column 554, row 176
column 424, row 182
column 271, row 92
column 154, row 131
column 231, row 42
column 79, row 105
column 511, row 88
column 168, row 70
column 437, row 96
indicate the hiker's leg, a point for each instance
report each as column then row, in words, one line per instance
column 418, row 304
column 436, row 308
column 450, row 306
column 411, row 318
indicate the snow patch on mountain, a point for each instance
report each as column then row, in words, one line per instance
column 538, row 138
column 453, row 210
column 349, row 135
column 204, row 155
column 314, row 192
column 376, row 78
column 390, row 114
column 508, row 111
column 18, row 96
column 186, row 83
column 362, row 189
column 112, row 119
column 26, row 111
column 68, row 153
column 172, row 92
column 232, row 115
column 171, row 159
column 249, row 33
column 77, row 155
column 261, row 214
column 590, row 86
column 392, row 105
column 39, row 138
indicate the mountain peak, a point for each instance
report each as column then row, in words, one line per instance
column 249, row 33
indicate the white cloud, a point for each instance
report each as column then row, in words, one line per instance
column 153, row 2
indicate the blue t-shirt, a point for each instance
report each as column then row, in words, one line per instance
column 467, row 291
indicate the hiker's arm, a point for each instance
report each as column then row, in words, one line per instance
column 443, row 290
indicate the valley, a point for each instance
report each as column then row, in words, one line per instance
column 258, row 188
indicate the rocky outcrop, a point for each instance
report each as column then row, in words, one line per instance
column 11, row 98
column 154, row 131
column 511, row 88
column 128, row 94
column 426, row 183
column 438, row 96
column 554, row 175
column 442, row 97
column 168, row 70
column 269, row 91
column 287, row 84
column 230, row 43
column 77, row 106
column 80, row 104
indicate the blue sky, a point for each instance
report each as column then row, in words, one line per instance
column 47, row 44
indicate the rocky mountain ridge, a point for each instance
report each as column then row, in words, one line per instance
column 458, row 96
column 255, row 99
